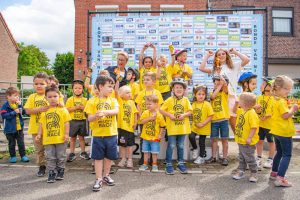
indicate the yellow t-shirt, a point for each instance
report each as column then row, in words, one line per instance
column 220, row 106
column 127, row 111
column 151, row 129
column 163, row 83
column 61, row 99
column 143, row 71
column 281, row 127
column 245, row 121
column 74, row 101
column 35, row 101
column 141, row 98
column 177, row 70
column 105, row 126
column 201, row 111
column 135, row 89
column 53, row 124
column 14, row 106
column 266, row 103
column 176, row 107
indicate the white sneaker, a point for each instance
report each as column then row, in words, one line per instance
column 268, row 164
column 259, row 164
column 194, row 154
column 239, row 175
column 199, row 160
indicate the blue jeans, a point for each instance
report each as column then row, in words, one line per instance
column 220, row 129
column 177, row 140
column 281, row 161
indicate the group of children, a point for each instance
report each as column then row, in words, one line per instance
column 160, row 107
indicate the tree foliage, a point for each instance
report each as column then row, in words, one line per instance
column 63, row 67
column 32, row 61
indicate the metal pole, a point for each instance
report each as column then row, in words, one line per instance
column 267, row 44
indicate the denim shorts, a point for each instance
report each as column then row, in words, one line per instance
column 104, row 147
column 150, row 147
column 220, row 129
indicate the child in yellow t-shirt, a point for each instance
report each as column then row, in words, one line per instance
column 219, row 126
column 34, row 106
column 54, row 132
column 153, row 125
column 202, row 116
column 127, row 122
column 164, row 77
column 75, row 106
column 149, row 81
column 180, row 68
column 264, row 110
column 246, row 135
column 132, row 76
column 283, row 129
column 11, row 113
column 52, row 80
column 146, row 63
column 177, row 110
column 102, row 113
column 248, row 81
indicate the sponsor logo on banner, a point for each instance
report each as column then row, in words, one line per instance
column 222, row 19
column 199, row 25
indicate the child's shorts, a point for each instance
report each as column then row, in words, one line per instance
column 125, row 138
column 151, row 147
column 104, row 147
column 265, row 133
column 78, row 127
column 220, row 129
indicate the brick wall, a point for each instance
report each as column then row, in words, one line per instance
column 8, row 58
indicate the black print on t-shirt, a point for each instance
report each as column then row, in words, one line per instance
column 52, row 124
column 178, row 110
column 218, row 104
column 163, row 78
column 150, row 128
column 39, row 103
column 107, row 120
column 197, row 115
column 127, row 113
column 240, row 126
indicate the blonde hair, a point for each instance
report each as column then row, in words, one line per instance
column 279, row 82
column 152, row 75
column 162, row 56
column 123, row 53
column 123, row 89
column 228, row 59
column 248, row 98
column 152, row 98
column 104, row 73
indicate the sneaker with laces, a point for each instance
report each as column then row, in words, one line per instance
column 212, row 160
column 13, row 159
column 239, row 175
column 273, row 175
column 154, row 168
column 24, row 159
column 60, row 174
column 42, row 171
column 259, row 163
column 194, row 154
column 199, row 160
column 71, row 157
column 282, row 182
column 268, row 164
column 253, row 178
column 169, row 169
column 129, row 163
column 84, row 155
column 225, row 162
column 98, row 185
column 51, row 176
column 182, row 168
column 109, row 181
column 143, row 167
column 122, row 163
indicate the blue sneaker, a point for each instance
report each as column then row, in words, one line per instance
column 169, row 169
column 182, row 168
column 25, row 159
column 13, row 159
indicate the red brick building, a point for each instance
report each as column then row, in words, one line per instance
column 283, row 26
column 9, row 53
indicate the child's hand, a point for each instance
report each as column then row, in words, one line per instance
column 209, row 53
column 79, row 107
column 232, row 51
column 100, row 114
column 248, row 141
column 295, row 108
column 43, row 108
column 263, row 118
column 172, row 117
column 18, row 101
column 180, row 117
column 258, row 108
column 38, row 138
column 200, row 125
column 66, row 138
column 17, row 110
column 60, row 105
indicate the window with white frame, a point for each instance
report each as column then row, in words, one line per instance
column 141, row 8
column 242, row 12
column 107, row 8
column 171, row 7
column 282, row 21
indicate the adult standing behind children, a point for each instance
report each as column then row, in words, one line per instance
column 223, row 65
